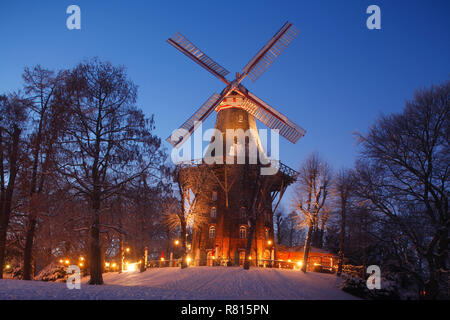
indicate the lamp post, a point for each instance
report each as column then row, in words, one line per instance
column 272, row 252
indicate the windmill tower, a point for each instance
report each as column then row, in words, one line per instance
column 232, row 217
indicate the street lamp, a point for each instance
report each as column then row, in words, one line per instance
column 177, row 242
column 127, row 249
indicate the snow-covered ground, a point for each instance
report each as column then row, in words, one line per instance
column 191, row 283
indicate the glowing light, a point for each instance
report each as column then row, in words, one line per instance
column 8, row 266
column 289, row 260
column 82, row 258
column 269, row 242
column 114, row 265
column 67, row 262
column 107, row 264
column 61, row 260
column 131, row 266
column 177, row 242
column 127, row 249
column 316, row 264
column 300, row 263
column 249, row 258
column 162, row 258
column 81, row 264
column 188, row 260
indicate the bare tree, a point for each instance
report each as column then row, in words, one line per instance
column 194, row 184
column 343, row 187
column 257, row 203
column 404, row 173
column 13, row 114
column 41, row 86
column 279, row 219
column 310, row 198
column 108, row 143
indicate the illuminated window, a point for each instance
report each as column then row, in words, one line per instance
column 241, row 118
column 213, row 212
column 242, row 232
column 212, row 232
column 214, row 196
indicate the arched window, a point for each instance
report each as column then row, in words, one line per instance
column 212, row 232
column 242, row 232
column 213, row 212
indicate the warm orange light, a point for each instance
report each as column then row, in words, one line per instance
column 316, row 264
column 114, row 265
column 177, row 242
column 269, row 242
column 8, row 266
column 67, row 262
column 249, row 258
column 107, row 264
column 128, row 249
column 61, row 261
column 162, row 259
column 81, row 264
column 188, row 260
column 82, row 258
column 300, row 263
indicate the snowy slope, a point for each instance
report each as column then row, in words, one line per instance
column 191, row 283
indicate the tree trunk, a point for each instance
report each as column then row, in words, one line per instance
column 95, row 250
column 6, row 197
column 3, row 227
column 307, row 247
column 28, row 250
column 183, row 244
column 341, row 240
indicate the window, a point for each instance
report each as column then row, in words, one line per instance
column 243, row 212
column 214, row 196
column 241, row 118
column 266, row 233
column 212, row 232
column 213, row 212
column 242, row 232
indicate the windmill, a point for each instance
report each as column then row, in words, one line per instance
column 224, row 235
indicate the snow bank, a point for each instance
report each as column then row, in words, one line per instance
column 191, row 283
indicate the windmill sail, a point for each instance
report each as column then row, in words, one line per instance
column 266, row 56
column 193, row 122
column 189, row 49
column 272, row 118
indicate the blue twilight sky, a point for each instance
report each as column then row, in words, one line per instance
column 334, row 79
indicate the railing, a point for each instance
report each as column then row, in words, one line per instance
column 281, row 167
